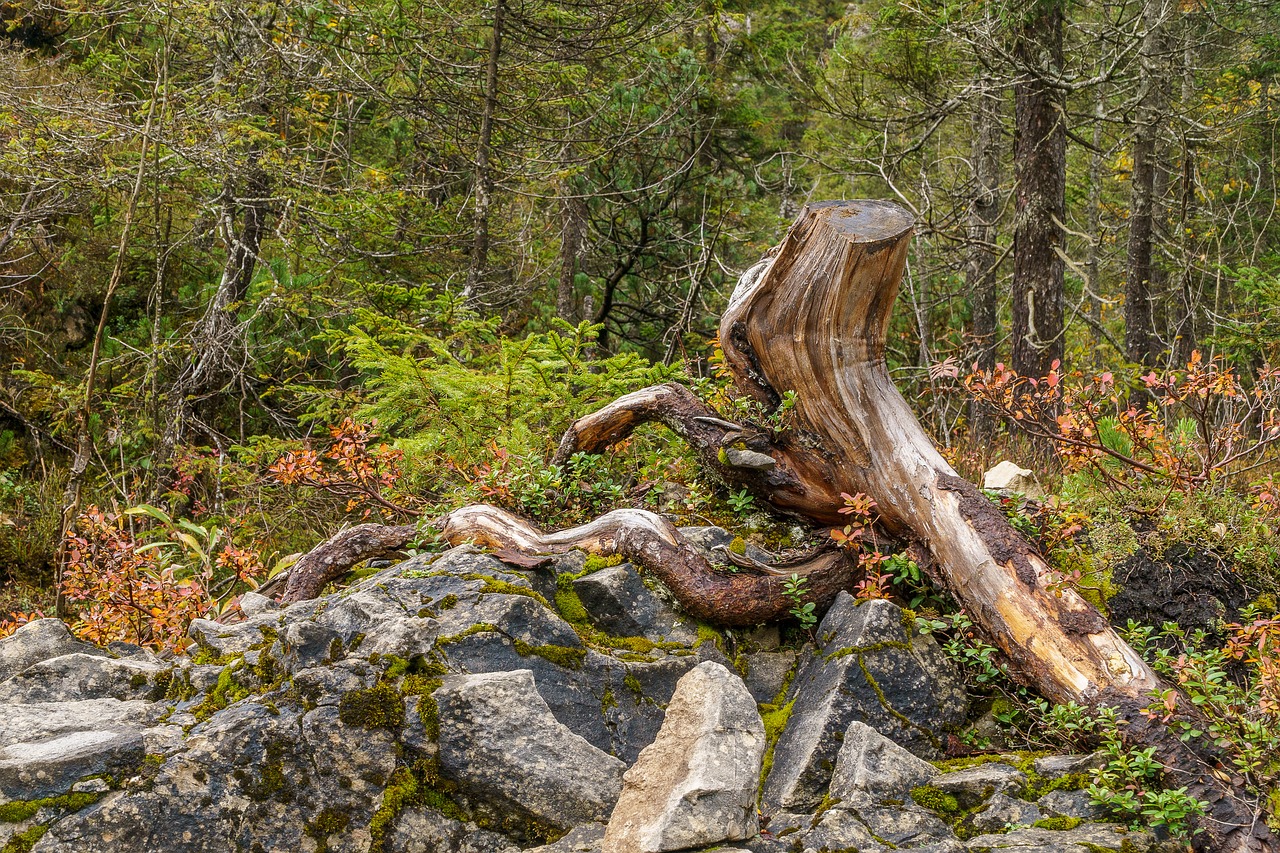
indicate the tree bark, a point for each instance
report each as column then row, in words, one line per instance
column 1138, row 318
column 651, row 542
column 333, row 558
column 984, row 209
column 479, row 265
column 573, row 226
column 1040, row 163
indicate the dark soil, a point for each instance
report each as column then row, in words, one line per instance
column 1194, row 588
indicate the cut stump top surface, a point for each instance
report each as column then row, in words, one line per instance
column 864, row 220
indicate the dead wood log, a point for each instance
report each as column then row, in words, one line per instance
column 653, row 543
column 812, row 319
column 334, row 557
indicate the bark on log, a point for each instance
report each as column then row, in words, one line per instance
column 650, row 541
column 332, row 559
column 813, row 320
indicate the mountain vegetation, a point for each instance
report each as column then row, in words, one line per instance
column 271, row 270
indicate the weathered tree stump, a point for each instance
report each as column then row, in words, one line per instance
column 812, row 319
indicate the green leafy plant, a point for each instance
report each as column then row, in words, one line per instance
column 742, row 502
column 796, row 588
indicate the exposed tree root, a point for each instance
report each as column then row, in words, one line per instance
column 333, row 558
column 652, row 542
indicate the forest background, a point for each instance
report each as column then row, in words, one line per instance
column 271, row 268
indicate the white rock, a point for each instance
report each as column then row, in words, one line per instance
column 695, row 785
column 1009, row 477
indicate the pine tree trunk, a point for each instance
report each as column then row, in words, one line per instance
column 483, row 175
column 1138, row 317
column 980, row 267
column 1040, row 166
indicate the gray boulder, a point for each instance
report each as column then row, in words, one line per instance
column 581, row 839
column 237, row 638
column 37, row 641
column 767, row 672
column 1002, row 811
column 1085, row 838
column 253, row 604
column 618, row 603
column 255, row 776
column 425, row 830
column 1070, row 804
column 80, row 675
column 1056, row 766
column 973, row 785
column 696, row 784
column 872, row 767
column 873, row 669
column 838, row 829
column 905, row 825
column 499, row 741
column 45, row 747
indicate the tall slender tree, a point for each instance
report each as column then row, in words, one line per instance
column 1040, row 165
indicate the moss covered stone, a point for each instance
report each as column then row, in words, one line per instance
column 500, row 587
column 1058, row 823
column 429, row 715
column 227, row 691
column 420, row 786
column 935, row 800
column 478, row 628
column 633, row 684
column 379, row 707
column 22, row 842
column 20, row 810
column 562, row 656
column 568, row 603
column 596, row 562
column 330, row 821
column 271, row 782
column 775, row 721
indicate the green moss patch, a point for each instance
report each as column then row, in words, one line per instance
column 1058, row 823
column 330, row 821
column 501, row 587
column 935, row 800
column 568, row 603
column 563, row 656
column 24, row 841
column 379, row 707
column 419, row 786
column 775, row 721
column 226, row 692
column 20, row 810
column 596, row 562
